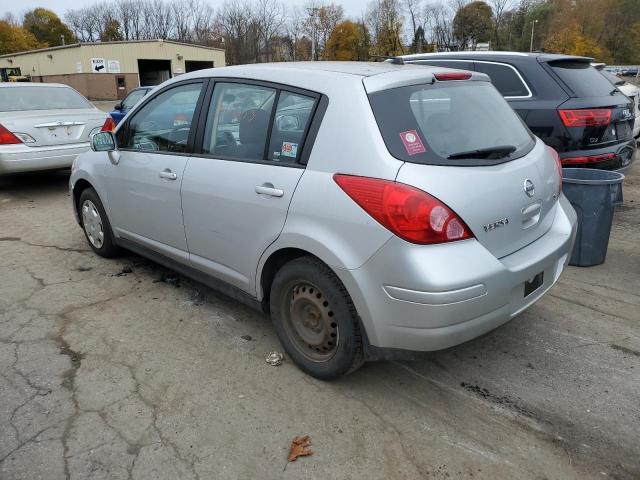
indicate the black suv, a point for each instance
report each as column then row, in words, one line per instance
column 563, row 100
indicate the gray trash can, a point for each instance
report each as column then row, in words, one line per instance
column 593, row 194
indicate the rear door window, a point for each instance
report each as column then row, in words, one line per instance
column 438, row 123
column 582, row 78
column 504, row 78
column 289, row 127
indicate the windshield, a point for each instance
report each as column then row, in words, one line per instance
column 450, row 123
column 133, row 98
column 16, row 99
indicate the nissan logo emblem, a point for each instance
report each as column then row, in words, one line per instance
column 529, row 188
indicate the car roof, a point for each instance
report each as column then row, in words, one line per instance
column 31, row 84
column 541, row 57
column 325, row 76
column 361, row 69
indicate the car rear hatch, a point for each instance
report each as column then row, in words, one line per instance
column 597, row 114
column 464, row 145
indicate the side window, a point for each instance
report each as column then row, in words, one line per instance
column 293, row 115
column 238, row 121
column 163, row 124
column 504, row 78
column 461, row 64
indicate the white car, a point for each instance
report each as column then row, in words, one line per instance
column 630, row 90
column 44, row 126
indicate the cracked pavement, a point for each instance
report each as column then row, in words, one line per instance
column 113, row 369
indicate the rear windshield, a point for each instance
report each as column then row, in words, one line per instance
column 431, row 123
column 16, row 99
column 582, row 78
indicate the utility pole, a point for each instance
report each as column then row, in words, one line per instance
column 62, row 38
column 533, row 26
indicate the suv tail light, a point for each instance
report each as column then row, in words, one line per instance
column 8, row 138
column 109, row 125
column 444, row 76
column 409, row 213
column 556, row 157
column 585, row 118
column 605, row 157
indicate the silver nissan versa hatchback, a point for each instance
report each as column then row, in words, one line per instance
column 367, row 207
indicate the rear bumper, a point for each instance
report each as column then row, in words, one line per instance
column 22, row 158
column 424, row 298
column 624, row 156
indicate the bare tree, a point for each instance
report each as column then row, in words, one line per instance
column 500, row 7
column 271, row 18
column 295, row 27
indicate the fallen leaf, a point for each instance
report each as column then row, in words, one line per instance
column 300, row 448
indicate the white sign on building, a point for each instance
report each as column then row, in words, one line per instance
column 98, row 65
column 78, row 67
column 113, row 66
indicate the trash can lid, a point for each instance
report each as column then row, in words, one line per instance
column 591, row 176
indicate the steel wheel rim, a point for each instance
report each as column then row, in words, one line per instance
column 310, row 322
column 92, row 224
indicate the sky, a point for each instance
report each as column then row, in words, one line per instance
column 352, row 8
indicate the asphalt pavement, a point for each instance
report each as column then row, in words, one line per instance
column 119, row 369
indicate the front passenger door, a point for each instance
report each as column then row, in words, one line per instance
column 144, row 186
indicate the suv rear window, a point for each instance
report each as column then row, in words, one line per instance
column 582, row 78
column 432, row 122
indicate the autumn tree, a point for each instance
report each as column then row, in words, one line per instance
column 571, row 41
column 384, row 20
column 472, row 24
column 14, row 38
column 47, row 27
column 111, row 32
column 348, row 41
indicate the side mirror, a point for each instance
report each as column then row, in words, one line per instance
column 117, row 106
column 103, row 142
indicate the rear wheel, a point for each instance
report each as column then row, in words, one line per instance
column 95, row 224
column 315, row 319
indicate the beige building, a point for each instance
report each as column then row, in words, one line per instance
column 109, row 70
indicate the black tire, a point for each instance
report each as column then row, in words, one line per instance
column 107, row 247
column 340, row 351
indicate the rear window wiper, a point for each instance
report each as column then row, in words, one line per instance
column 500, row 151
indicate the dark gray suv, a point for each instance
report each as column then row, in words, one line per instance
column 563, row 100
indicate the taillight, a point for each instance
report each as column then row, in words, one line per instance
column 444, row 76
column 409, row 213
column 109, row 125
column 8, row 138
column 585, row 118
column 605, row 157
column 556, row 157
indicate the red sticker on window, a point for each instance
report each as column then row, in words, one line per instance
column 412, row 143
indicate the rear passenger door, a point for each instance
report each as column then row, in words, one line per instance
column 237, row 187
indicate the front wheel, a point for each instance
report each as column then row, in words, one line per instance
column 95, row 224
column 315, row 319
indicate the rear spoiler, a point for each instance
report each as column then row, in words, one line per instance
column 412, row 75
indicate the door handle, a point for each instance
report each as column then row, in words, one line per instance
column 168, row 174
column 268, row 189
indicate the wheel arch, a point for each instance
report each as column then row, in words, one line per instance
column 78, row 187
